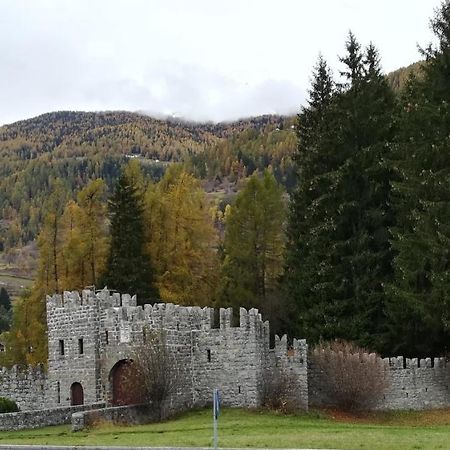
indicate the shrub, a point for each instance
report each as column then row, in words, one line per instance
column 7, row 405
column 350, row 377
column 156, row 372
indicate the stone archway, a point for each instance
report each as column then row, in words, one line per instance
column 125, row 387
column 76, row 394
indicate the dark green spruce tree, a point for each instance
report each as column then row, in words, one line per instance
column 310, row 220
column 363, row 252
column 128, row 267
column 419, row 304
column 342, row 257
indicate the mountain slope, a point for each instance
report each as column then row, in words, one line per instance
column 79, row 146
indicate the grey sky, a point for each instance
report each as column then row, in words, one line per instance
column 200, row 59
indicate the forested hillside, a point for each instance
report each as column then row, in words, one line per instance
column 77, row 147
column 399, row 78
column 81, row 146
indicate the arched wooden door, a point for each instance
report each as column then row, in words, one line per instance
column 76, row 394
column 126, row 388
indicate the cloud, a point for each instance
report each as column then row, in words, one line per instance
column 202, row 60
column 198, row 94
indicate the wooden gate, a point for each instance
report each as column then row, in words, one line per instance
column 125, row 385
column 76, row 394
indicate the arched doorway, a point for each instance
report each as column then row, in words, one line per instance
column 125, row 384
column 76, row 394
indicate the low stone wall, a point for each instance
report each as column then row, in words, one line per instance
column 41, row 418
column 132, row 414
column 25, row 385
column 417, row 384
column 412, row 384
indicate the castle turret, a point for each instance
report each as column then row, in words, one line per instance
column 73, row 356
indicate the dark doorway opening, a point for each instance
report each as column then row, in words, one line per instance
column 126, row 389
column 76, row 394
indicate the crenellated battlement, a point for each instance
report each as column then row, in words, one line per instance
column 17, row 372
column 122, row 308
column 295, row 353
column 101, row 299
column 400, row 362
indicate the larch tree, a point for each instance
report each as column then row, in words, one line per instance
column 73, row 263
column 253, row 247
column 92, row 229
column 182, row 239
column 27, row 339
column 84, row 238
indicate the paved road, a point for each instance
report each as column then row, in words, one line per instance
column 82, row 447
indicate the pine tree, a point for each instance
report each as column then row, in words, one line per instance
column 128, row 266
column 419, row 306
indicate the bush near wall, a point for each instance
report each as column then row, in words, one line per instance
column 7, row 405
column 351, row 377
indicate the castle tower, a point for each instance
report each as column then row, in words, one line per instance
column 73, row 349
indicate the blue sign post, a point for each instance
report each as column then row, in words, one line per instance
column 216, row 412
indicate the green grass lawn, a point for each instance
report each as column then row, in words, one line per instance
column 241, row 428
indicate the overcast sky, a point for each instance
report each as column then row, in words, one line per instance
column 199, row 59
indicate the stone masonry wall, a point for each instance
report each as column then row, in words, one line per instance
column 89, row 334
column 26, row 386
column 73, row 324
column 41, row 417
column 230, row 358
column 412, row 384
column 125, row 328
column 417, row 384
column 293, row 361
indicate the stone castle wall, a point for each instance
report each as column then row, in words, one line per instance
column 411, row 384
column 417, row 384
column 212, row 349
column 89, row 334
column 71, row 318
column 26, row 386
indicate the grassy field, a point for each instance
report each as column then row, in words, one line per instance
column 241, row 428
column 14, row 284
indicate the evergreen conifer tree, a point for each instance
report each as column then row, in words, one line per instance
column 128, row 266
column 339, row 256
column 5, row 310
column 310, row 218
column 5, row 300
column 419, row 307
column 363, row 254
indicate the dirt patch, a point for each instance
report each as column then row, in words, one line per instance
column 430, row 418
